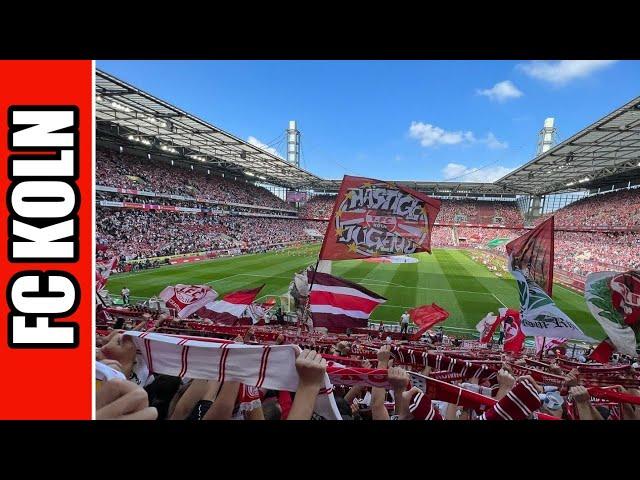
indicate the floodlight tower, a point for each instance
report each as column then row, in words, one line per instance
column 546, row 140
column 293, row 144
column 547, row 136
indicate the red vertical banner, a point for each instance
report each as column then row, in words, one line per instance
column 532, row 253
column 46, row 244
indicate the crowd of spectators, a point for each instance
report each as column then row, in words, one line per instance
column 579, row 253
column 616, row 209
column 582, row 253
column 319, row 206
column 135, row 234
column 480, row 212
column 442, row 237
column 131, row 172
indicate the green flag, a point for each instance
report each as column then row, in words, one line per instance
column 496, row 242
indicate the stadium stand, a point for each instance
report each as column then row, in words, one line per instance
column 619, row 209
column 131, row 172
column 319, row 206
column 134, row 234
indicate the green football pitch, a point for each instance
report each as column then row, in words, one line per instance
column 450, row 278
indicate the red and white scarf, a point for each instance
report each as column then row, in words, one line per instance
column 263, row 366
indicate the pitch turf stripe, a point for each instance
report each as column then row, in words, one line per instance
column 478, row 273
column 457, row 312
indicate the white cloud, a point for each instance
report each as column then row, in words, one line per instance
column 462, row 173
column 501, row 91
column 264, row 146
column 493, row 143
column 430, row 135
column 563, row 71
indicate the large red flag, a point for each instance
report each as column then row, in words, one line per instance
column 372, row 218
column 532, row 253
column 426, row 316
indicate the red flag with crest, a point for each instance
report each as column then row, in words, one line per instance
column 372, row 218
column 187, row 299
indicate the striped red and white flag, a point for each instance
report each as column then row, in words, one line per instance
column 338, row 304
column 231, row 308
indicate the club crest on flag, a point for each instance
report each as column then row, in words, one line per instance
column 190, row 293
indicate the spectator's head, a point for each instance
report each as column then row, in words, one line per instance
column 552, row 403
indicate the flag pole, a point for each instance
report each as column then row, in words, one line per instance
column 544, row 341
column 313, row 279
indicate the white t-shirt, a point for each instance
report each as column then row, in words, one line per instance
column 125, row 291
column 405, row 318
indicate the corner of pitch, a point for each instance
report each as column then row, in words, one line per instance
column 43, row 201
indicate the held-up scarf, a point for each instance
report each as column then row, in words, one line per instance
column 606, row 394
column 438, row 362
column 604, row 377
column 263, row 366
column 518, row 404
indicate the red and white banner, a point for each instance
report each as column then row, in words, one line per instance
column 338, row 303
column 372, row 218
column 231, row 308
column 187, row 299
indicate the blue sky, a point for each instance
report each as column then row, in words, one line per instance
column 400, row 120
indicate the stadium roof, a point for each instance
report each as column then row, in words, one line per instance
column 438, row 188
column 145, row 119
column 609, row 147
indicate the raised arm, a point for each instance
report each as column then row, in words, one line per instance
column 311, row 369
column 222, row 407
column 399, row 379
column 378, row 410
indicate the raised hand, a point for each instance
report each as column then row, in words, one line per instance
column 123, row 400
column 505, row 379
column 579, row 394
column 384, row 354
column 398, row 378
column 311, row 368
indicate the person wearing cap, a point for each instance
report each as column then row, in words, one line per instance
column 552, row 403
